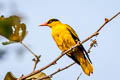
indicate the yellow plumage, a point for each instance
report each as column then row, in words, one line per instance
column 65, row 37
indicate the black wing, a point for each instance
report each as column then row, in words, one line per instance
column 81, row 46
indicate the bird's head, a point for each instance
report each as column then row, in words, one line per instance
column 51, row 22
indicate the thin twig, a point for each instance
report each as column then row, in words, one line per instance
column 36, row 62
column 97, row 32
column 28, row 49
column 37, row 57
column 54, row 61
column 79, row 76
column 92, row 44
column 59, row 70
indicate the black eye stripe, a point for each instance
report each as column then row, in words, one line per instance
column 50, row 21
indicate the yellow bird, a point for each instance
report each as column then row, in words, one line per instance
column 65, row 37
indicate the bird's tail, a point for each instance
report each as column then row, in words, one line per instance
column 86, row 66
column 80, row 58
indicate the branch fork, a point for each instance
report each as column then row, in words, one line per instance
column 63, row 53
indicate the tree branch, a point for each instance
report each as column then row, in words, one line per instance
column 50, row 64
column 97, row 32
column 78, row 44
column 37, row 57
column 59, row 70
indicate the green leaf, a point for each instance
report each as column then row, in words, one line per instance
column 5, row 29
column 12, row 28
column 9, row 76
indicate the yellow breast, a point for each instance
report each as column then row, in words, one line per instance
column 62, row 37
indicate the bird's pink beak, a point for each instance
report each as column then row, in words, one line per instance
column 44, row 24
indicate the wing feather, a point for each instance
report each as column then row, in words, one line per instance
column 75, row 37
